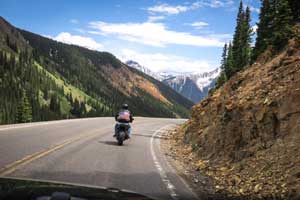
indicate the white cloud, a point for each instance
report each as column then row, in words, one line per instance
column 86, row 42
column 155, row 18
column 168, row 9
column 199, row 25
column 154, row 34
column 217, row 3
column 176, row 9
column 159, row 62
column 74, row 21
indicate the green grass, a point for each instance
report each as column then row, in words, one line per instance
column 68, row 88
column 65, row 106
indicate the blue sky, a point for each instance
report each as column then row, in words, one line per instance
column 163, row 35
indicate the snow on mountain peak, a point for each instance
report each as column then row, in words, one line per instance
column 183, row 82
column 202, row 80
column 143, row 69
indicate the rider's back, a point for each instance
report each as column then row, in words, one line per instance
column 124, row 116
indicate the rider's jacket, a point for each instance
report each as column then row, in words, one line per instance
column 124, row 116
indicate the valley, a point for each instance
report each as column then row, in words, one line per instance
column 71, row 81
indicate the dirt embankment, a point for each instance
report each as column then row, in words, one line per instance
column 246, row 136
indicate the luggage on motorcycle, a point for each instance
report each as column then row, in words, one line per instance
column 124, row 116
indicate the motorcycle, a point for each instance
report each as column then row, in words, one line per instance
column 122, row 132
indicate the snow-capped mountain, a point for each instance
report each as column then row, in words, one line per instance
column 143, row 69
column 194, row 86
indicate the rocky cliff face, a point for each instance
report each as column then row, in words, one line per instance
column 251, row 127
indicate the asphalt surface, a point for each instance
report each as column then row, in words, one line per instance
column 84, row 151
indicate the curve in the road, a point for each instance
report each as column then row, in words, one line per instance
column 86, row 153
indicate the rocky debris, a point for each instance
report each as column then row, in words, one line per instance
column 270, row 174
column 183, row 159
column 246, row 136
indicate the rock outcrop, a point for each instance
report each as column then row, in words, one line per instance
column 251, row 126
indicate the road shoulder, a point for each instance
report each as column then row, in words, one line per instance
column 177, row 187
column 179, row 157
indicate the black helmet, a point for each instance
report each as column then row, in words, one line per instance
column 125, row 106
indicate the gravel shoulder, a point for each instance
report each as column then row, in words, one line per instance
column 183, row 161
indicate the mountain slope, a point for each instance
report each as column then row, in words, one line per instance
column 108, row 76
column 246, row 133
column 47, row 94
column 98, row 81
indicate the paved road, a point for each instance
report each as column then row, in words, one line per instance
column 84, row 151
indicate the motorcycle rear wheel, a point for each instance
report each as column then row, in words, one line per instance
column 121, row 138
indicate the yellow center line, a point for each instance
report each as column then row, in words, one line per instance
column 9, row 169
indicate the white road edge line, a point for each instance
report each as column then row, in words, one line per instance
column 170, row 187
column 182, row 180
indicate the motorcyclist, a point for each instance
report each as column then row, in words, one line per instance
column 124, row 116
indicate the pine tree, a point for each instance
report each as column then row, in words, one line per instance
column 76, row 108
column 7, row 40
column 82, row 109
column 24, row 110
column 70, row 98
column 282, row 27
column 246, row 39
column 263, row 29
column 241, row 48
column 1, row 57
column 222, row 78
column 275, row 25
column 295, row 6
column 224, row 57
column 54, row 104
column 237, row 39
column 229, row 68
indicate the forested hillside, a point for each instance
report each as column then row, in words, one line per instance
column 42, row 79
